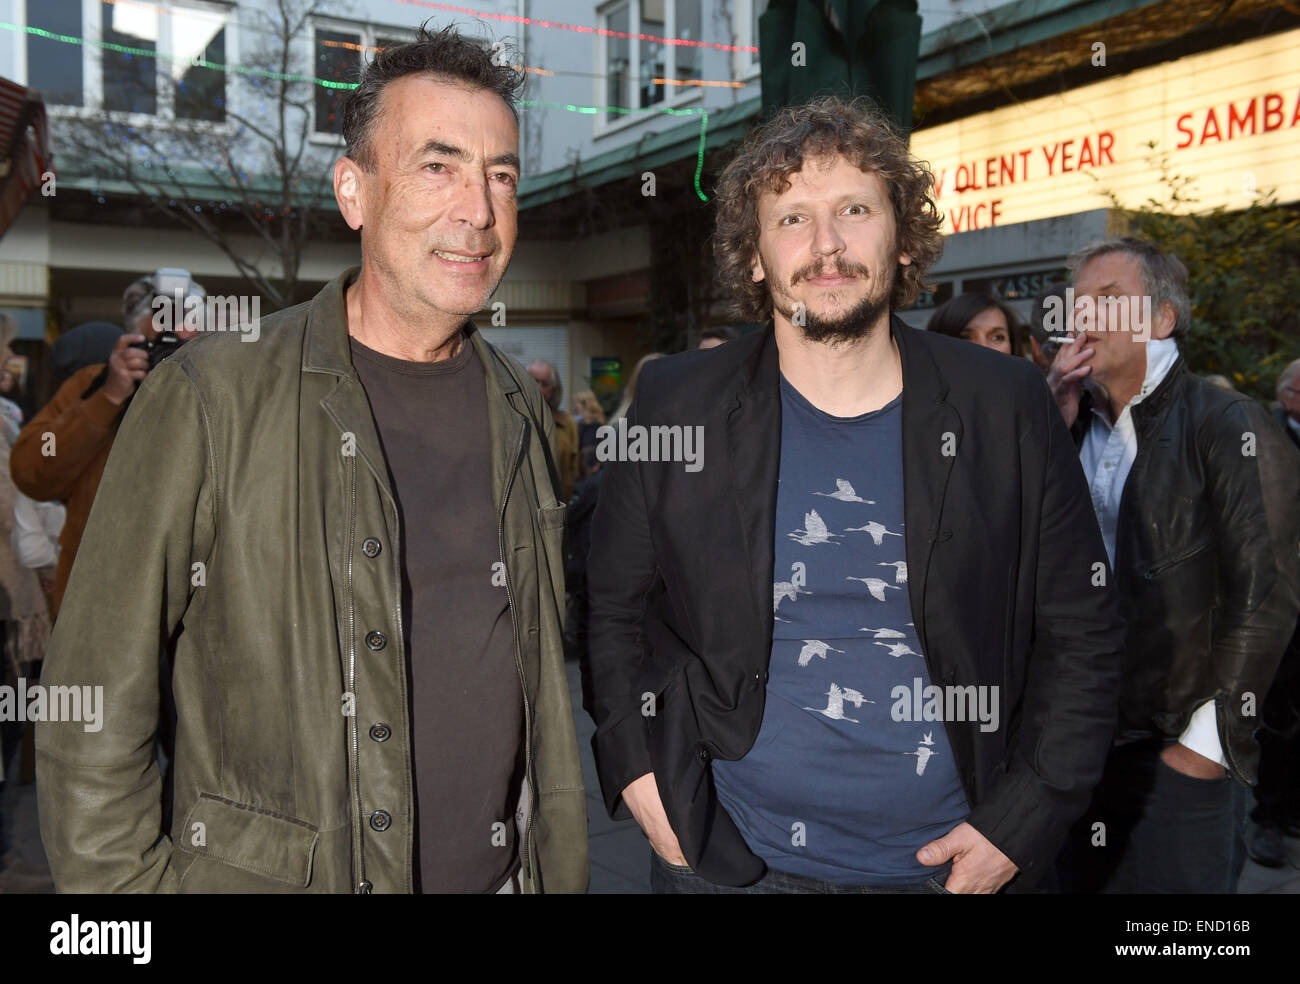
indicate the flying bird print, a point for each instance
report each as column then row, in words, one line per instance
column 875, row 585
column 878, row 532
column 900, row 569
column 815, row 647
column 834, row 708
column 814, row 531
column 783, row 590
column 923, row 752
column 897, row 649
column 845, row 493
column 885, row 633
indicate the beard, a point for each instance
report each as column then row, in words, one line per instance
column 854, row 324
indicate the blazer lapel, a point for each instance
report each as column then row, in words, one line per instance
column 932, row 435
column 753, row 428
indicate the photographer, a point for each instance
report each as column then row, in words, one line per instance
column 61, row 452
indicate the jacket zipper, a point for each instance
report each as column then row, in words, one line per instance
column 363, row 886
column 519, row 661
column 1155, row 572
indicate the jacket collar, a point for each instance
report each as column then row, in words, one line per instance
column 1153, row 403
column 327, row 349
column 932, row 439
column 754, row 429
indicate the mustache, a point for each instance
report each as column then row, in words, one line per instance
column 840, row 266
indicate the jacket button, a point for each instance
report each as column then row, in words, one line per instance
column 371, row 547
column 704, row 755
column 376, row 640
column 380, row 732
column 380, row 820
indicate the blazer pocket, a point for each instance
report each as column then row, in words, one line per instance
column 265, row 843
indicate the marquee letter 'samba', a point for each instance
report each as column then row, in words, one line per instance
column 1217, row 124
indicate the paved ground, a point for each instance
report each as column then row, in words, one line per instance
column 620, row 854
column 620, row 860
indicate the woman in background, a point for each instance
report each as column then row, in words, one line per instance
column 980, row 318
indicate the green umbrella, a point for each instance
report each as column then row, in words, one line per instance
column 849, row 47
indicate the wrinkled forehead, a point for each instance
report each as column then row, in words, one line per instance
column 1114, row 272
column 417, row 109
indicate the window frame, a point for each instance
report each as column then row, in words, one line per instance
column 672, row 99
column 745, row 67
column 369, row 33
column 92, row 68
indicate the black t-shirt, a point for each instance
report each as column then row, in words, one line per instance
column 466, row 703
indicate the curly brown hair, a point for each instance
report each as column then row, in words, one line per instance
column 861, row 133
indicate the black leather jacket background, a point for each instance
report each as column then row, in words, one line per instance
column 1205, row 562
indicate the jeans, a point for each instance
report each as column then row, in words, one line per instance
column 674, row 879
column 1160, row 831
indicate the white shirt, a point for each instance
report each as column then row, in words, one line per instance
column 1107, row 457
column 37, row 525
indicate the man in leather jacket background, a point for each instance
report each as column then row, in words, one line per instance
column 1194, row 490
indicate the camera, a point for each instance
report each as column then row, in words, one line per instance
column 172, row 285
column 159, row 348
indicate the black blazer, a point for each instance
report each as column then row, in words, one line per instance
column 1007, row 577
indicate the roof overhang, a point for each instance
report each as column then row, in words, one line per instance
column 25, row 139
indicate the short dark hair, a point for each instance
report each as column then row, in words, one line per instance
column 860, row 132
column 951, row 317
column 445, row 53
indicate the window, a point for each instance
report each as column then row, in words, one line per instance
column 130, row 79
column 54, row 67
column 199, row 35
column 635, row 72
column 338, row 58
column 747, row 12
column 148, row 62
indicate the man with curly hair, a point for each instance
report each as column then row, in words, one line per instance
column 927, row 702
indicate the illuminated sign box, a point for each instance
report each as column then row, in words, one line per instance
column 1228, row 119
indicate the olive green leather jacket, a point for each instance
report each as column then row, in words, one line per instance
column 244, row 539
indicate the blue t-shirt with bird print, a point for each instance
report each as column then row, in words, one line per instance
column 835, row 788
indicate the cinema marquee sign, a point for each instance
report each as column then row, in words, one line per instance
column 1228, row 119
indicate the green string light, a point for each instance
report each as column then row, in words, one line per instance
column 591, row 110
column 196, row 62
